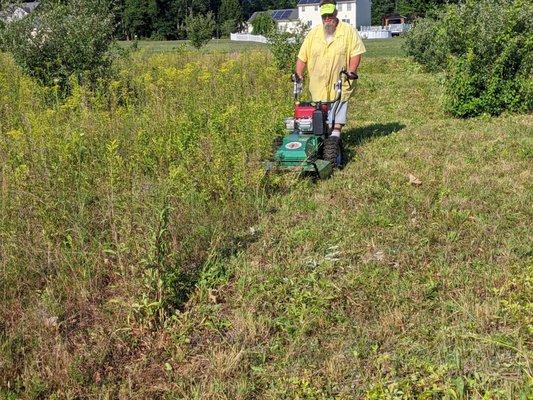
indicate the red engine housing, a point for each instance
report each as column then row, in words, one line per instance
column 305, row 110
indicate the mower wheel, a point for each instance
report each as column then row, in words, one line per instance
column 333, row 151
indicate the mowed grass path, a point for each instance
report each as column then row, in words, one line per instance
column 406, row 275
column 375, row 48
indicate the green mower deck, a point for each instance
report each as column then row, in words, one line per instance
column 297, row 152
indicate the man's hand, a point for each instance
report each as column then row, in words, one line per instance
column 296, row 78
column 300, row 68
column 352, row 75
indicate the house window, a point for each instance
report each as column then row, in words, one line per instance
column 340, row 7
column 303, row 9
column 346, row 20
column 316, row 8
column 309, row 23
column 349, row 7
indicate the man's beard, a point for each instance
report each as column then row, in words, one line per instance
column 329, row 28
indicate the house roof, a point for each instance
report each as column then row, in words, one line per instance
column 289, row 14
column 285, row 15
column 255, row 15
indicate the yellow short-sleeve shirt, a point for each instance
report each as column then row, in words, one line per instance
column 324, row 61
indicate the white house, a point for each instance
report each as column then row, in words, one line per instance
column 286, row 20
column 353, row 12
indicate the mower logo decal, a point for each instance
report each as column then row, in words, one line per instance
column 293, row 145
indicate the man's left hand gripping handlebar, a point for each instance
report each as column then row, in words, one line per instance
column 352, row 75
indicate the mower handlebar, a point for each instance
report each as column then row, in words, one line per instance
column 350, row 76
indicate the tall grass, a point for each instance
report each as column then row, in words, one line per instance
column 112, row 201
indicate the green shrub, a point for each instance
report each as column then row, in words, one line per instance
column 228, row 27
column 285, row 46
column 63, row 41
column 200, row 28
column 427, row 44
column 485, row 47
column 263, row 24
column 18, row 94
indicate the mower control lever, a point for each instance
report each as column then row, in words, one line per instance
column 298, row 85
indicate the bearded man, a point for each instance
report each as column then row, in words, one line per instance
column 326, row 50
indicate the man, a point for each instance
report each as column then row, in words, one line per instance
column 325, row 51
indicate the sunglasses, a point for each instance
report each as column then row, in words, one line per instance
column 328, row 16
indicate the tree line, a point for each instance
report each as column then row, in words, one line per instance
column 410, row 8
column 166, row 19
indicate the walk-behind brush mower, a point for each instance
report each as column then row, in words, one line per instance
column 308, row 146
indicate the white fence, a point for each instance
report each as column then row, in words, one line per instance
column 374, row 32
column 366, row 32
column 247, row 37
column 398, row 28
column 383, row 32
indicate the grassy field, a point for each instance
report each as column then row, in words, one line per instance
column 220, row 45
column 143, row 255
column 375, row 48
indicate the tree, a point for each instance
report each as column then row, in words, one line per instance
column 380, row 8
column 285, row 46
column 200, row 28
column 263, row 24
column 202, row 6
column 139, row 17
column 227, row 27
column 229, row 16
column 179, row 9
column 63, row 40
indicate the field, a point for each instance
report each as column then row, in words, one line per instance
column 144, row 255
column 375, row 48
column 218, row 45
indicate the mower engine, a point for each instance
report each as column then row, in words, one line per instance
column 308, row 119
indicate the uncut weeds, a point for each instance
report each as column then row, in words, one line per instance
column 112, row 201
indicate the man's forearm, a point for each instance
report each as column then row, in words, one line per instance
column 300, row 67
column 354, row 63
